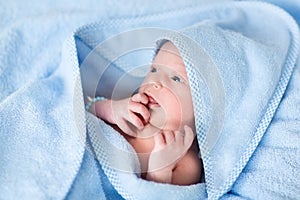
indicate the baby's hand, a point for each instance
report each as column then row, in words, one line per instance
column 132, row 110
column 169, row 147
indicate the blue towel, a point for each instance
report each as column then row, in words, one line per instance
column 238, row 70
column 45, row 152
column 42, row 146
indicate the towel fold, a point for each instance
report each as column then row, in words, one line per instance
column 238, row 72
column 247, row 116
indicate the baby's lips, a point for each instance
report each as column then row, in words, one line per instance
column 147, row 119
column 152, row 102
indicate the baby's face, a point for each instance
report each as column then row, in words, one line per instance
column 167, row 86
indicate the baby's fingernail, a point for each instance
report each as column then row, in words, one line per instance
column 141, row 126
column 145, row 101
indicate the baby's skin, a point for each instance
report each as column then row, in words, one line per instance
column 158, row 121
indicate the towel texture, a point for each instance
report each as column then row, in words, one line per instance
column 238, row 71
column 41, row 143
column 245, row 85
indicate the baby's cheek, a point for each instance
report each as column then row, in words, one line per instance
column 174, row 112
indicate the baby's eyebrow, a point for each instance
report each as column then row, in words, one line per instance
column 182, row 73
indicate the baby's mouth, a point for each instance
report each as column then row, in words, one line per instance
column 152, row 103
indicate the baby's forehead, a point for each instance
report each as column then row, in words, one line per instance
column 168, row 56
column 170, row 49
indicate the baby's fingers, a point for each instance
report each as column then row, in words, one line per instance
column 140, row 98
column 185, row 138
column 169, row 136
column 136, row 121
column 159, row 142
column 141, row 110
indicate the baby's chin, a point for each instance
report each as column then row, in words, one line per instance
column 165, row 125
column 157, row 118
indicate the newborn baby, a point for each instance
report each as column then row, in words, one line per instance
column 158, row 121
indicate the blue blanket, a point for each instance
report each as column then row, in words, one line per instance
column 48, row 148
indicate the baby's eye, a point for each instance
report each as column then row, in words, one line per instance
column 153, row 70
column 176, row 78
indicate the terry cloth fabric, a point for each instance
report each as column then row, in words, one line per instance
column 45, row 152
column 42, row 147
column 238, row 71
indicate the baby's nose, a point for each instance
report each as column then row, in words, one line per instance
column 157, row 85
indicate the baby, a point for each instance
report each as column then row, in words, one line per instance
column 158, row 121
